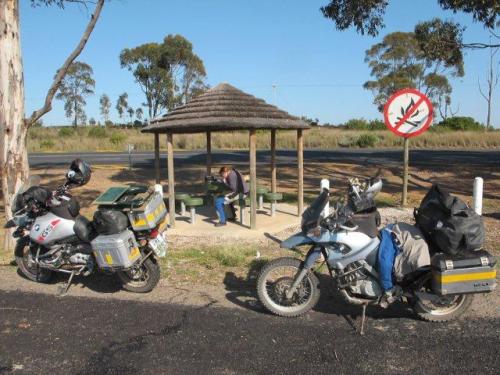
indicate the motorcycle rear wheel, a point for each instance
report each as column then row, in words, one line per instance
column 141, row 279
column 25, row 263
column 447, row 308
column 271, row 293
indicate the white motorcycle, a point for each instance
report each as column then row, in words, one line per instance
column 126, row 237
column 289, row 287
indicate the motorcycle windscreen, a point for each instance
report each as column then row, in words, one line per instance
column 18, row 201
column 311, row 216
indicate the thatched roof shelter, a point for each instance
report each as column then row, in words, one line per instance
column 225, row 108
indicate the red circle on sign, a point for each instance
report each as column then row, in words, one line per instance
column 423, row 97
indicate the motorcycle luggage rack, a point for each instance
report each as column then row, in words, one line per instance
column 123, row 197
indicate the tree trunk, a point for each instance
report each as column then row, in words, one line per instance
column 13, row 154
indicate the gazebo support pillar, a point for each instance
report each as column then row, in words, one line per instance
column 157, row 157
column 273, row 160
column 300, row 175
column 171, row 182
column 209, row 153
column 253, row 179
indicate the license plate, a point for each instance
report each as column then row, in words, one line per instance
column 159, row 246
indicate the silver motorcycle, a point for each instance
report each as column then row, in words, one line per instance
column 53, row 237
column 290, row 287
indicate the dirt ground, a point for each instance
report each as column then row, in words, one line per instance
column 191, row 259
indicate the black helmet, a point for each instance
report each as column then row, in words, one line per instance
column 79, row 172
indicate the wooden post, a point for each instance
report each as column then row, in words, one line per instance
column 406, row 157
column 300, row 176
column 171, row 182
column 157, row 157
column 273, row 160
column 209, row 153
column 253, row 180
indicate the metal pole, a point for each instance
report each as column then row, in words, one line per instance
column 406, row 157
column 478, row 195
column 325, row 184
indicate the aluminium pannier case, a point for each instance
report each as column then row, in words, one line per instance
column 148, row 215
column 472, row 272
column 116, row 250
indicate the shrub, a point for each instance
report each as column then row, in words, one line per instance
column 108, row 123
column 97, row 132
column 117, row 138
column 47, row 144
column 347, row 141
column 65, row 132
column 367, row 140
column 356, row 124
column 377, row 125
column 461, row 123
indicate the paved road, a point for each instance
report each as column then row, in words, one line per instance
column 146, row 159
column 42, row 334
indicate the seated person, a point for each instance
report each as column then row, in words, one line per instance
column 236, row 183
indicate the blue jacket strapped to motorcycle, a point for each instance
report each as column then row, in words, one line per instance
column 386, row 254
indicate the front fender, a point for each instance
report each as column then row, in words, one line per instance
column 296, row 240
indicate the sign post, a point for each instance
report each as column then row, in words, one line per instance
column 407, row 114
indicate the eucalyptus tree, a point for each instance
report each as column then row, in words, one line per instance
column 399, row 62
column 122, row 104
column 104, row 107
column 139, row 113
column 14, row 168
column 75, row 87
column 168, row 73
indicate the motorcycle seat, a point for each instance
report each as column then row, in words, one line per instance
column 84, row 229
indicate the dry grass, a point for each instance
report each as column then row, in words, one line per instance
column 115, row 139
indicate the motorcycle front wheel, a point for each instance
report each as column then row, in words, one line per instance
column 274, row 281
column 142, row 278
column 25, row 260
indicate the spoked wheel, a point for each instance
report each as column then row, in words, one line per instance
column 142, row 278
column 441, row 308
column 25, row 260
column 275, row 280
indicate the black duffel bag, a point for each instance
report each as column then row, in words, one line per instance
column 110, row 221
column 448, row 224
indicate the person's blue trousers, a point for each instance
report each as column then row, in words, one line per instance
column 219, row 207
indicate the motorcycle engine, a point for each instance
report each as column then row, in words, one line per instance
column 360, row 282
column 367, row 287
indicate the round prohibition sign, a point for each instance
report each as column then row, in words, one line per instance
column 408, row 113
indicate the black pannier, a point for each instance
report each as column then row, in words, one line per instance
column 110, row 222
column 448, row 224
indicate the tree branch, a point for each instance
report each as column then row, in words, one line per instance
column 64, row 68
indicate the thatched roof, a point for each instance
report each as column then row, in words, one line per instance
column 221, row 108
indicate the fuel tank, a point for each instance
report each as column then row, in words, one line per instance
column 50, row 228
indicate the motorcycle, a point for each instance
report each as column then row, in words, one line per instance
column 290, row 287
column 53, row 237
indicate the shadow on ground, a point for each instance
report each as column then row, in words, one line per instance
column 242, row 292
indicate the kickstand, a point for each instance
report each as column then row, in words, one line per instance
column 64, row 289
column 363, row 318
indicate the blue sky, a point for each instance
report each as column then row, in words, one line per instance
column 252, row 45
